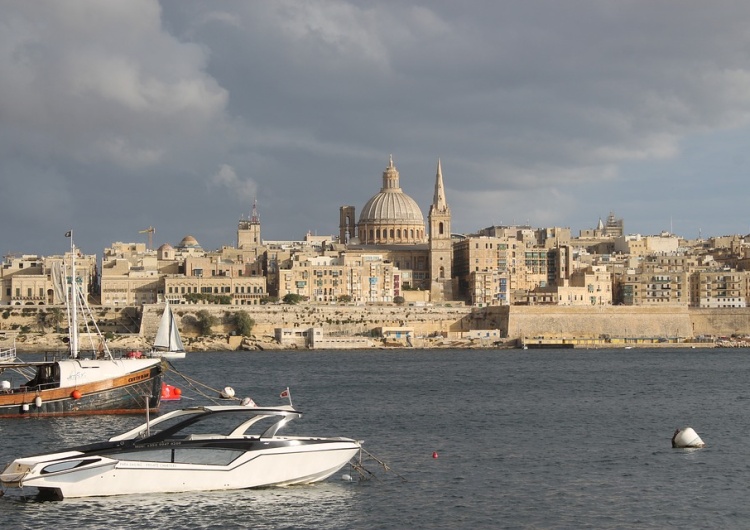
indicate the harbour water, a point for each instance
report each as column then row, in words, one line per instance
column 523, row 439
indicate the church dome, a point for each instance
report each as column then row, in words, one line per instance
column 391, row 216
column 391, row 205
column 188, row 242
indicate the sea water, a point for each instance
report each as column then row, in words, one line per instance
column 471, row 438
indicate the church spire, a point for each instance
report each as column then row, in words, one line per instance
column 440, row 243
column 438, row 200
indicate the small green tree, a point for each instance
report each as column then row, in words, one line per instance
column 244, row 323
column 344, row 299
column 205, row 322
column 399, row 300
column 292, row 298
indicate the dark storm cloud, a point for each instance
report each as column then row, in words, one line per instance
column 118, row 116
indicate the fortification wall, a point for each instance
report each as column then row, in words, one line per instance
column 513, row 322
column 590, row 322
column 720, row 322
column 342, row 320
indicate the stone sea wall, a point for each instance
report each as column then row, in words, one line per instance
column 135, row 329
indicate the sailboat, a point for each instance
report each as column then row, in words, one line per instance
column 168, row 344
column 91, row 382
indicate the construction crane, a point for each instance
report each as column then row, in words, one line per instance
column 150, row 231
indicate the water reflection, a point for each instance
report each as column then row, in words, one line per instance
column 325, row 505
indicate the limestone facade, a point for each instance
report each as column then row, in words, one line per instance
column 360, row 277
column 38, row 280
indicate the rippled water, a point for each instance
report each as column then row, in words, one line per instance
column 525, row 439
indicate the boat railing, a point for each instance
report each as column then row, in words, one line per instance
column 8, row 355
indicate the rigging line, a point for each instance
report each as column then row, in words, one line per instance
column 192, row 382
column 386, row 467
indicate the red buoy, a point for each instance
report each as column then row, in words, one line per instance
column 434, row 454
column 76, row 394
column 170, row 393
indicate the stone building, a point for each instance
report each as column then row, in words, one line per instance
column 362, row 277
column 715, row 289
column 655, row 287
column 484, row 267
column 391, row 224
column 37, row 280
column 133, row 275
column 638, row 245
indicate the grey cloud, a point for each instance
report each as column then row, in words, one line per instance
column 551, row 112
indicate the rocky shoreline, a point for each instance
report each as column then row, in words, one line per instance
column 54, row 344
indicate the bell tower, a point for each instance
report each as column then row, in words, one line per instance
column 441, row 248
column 347, row 224
column 248, row 230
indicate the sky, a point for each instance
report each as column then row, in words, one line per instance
column 118, row 116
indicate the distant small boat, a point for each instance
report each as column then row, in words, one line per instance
column 168, row 344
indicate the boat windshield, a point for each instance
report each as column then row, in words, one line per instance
column 227, row 422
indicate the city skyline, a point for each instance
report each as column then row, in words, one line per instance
column 177, row 115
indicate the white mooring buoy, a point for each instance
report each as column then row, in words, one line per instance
column 686, row 437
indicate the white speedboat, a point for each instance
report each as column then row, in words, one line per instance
column 194, row 449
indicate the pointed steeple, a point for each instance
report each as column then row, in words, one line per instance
column 438, row 200
column 440, row 243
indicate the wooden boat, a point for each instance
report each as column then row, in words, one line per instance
column 91, row 382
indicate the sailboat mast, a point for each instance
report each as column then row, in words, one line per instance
column 73, row 307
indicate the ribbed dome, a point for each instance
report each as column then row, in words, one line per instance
column 391, row 216
column 391, row 205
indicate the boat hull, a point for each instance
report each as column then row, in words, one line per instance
column 296, row 461
column 167, row 355
column 125, row 394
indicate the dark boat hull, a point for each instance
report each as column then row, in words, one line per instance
column 128, row 394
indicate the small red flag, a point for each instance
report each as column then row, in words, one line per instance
column 284, row 394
